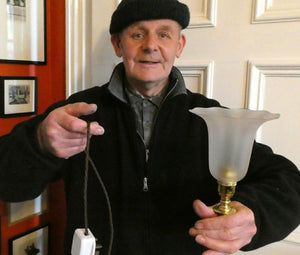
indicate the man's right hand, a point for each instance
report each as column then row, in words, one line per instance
column 63, row 134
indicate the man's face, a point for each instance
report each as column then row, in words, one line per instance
column 149, row 49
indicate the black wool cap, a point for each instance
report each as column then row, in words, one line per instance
column 131, row 11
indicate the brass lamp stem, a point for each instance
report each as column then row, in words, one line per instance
column 226, row 191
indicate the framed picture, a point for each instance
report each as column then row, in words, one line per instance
column 18, row 96
column 18, row 212
column 32, row 242
column 23, row 31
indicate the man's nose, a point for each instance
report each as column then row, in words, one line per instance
column 150, row 43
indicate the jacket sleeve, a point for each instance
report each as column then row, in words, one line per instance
column 271, row 189
column 25, row 170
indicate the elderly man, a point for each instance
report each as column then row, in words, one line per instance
column 153, row 155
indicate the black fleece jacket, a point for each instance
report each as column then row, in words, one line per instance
column 155, row 221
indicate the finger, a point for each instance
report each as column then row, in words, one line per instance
column 72, row 124
column 66, row 148
column 63, row 134
column 66, row 117
column 80, row 109
column 202, row 210
column 214, row 223
column 60, row 120
column 222, row 222
column 96, row 129
column 224, row 234
column 69, row 152
column 66, row 142
column 220, row 245
column 76, row 127
column 210, row 252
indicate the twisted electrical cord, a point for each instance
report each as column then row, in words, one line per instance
column 86, row 170
column 87, row 161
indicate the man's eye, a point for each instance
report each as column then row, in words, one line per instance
column 163, row 35
column 137, row 36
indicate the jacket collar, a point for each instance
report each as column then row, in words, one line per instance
column 116, row 85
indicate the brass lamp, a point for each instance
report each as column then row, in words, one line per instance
column 231, row 133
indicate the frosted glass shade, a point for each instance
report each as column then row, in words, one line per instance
column 231, row 133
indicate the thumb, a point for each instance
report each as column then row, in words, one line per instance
column 202, row 210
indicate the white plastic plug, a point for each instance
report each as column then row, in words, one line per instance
column 83, row 244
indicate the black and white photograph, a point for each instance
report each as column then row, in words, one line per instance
column 23, row 31
column 16, row 7
column 19, row 96
column 21, row 3
column 32, row 242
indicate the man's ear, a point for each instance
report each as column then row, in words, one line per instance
column 181, row 44
column 115, row 41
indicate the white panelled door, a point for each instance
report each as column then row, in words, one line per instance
column 244, row 53
column 251, row 51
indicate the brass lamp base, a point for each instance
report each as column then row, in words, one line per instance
column 226, row 191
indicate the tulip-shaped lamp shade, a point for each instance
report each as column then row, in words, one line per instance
column 231, row 133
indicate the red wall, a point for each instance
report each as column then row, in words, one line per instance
column 51, row 88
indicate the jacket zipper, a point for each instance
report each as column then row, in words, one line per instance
column 145, row 181
column 147, row 151
column 147, row 205
column 145, row 185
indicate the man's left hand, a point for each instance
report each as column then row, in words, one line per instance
column 224, row 234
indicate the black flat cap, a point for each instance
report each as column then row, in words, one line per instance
column 131, row 11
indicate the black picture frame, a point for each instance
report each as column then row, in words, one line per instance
column 18, row 96
column 23, row 32
column 37, row 238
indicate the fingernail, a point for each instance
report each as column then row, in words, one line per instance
column 99, row 131
column 199, row 226
column 200, row 239
column 93, row 107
